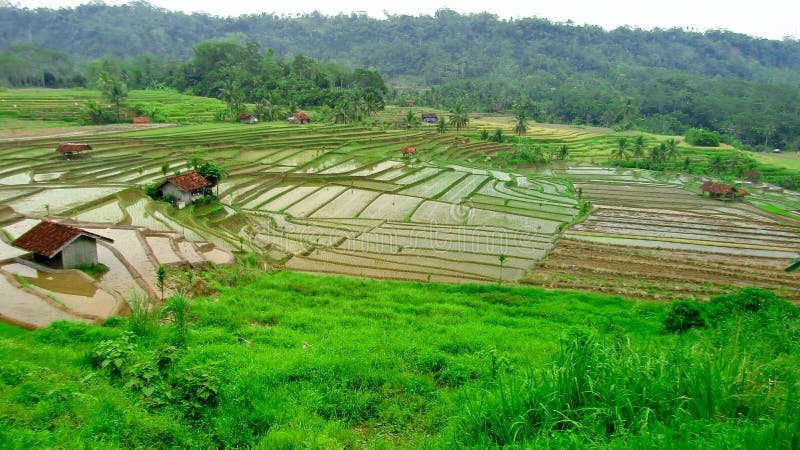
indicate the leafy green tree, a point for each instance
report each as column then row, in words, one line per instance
column 563, row 151
column 459, row 117
column 165, row 168
column 484, row 134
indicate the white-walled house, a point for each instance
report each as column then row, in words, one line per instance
column 186, row 187
column 60, row 246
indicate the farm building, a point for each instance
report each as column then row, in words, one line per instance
column 72, row 150
column 429, row 117
column 186, row 187
column 247, row 118
column 60, row 246
column 141, row 120
column 408, row 151
column 723, row 191
column 299, row 118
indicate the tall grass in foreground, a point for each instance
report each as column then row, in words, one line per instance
column 594, row 391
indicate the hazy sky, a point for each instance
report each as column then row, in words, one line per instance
column 772, row 19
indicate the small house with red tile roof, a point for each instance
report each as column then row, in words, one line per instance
column 247, row 118
column 429, row 117
column 299, row 118
column 723, row 191
column 60, row 246
column 408, row 151
column 185, row 188
column 72, row 150
column 141, row 120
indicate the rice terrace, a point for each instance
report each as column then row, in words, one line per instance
column 185, row 271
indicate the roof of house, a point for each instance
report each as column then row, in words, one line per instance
column 429, row 115
column 409, row 150
column 751, row 174
column 188, row 181
column 301, row 115
column 721, row 189
column 244, row 116
column 70, row 147
column 49, row 238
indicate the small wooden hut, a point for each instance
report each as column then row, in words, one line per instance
column 60, row 246
column 72, row 150
column 723, row 191
column 186, row 187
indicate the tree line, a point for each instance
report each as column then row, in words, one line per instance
column 665, row 80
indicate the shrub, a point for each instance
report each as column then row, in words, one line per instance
column 152, row 191
column 684, row 315
column 702, row 138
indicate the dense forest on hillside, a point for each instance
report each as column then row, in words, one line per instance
column 662, row 80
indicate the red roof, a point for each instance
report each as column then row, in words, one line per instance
column 70, row 147
column 244, row 116
column 301, row 115
column 188, row 181
column 722, row 189
column 408, row 150
column 49, row 238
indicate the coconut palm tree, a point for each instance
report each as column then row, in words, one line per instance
column 638, row 146
column 459, row 117
column 441, row 126
column 671, row 147
column 521, row 126
column 621, row 150
column 411, row 120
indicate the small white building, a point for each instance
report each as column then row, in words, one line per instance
column 60, row 246
column 186, row 187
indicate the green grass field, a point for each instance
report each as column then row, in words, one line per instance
column 326, row 362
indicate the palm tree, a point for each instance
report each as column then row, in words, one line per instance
column 621, row 150
column 410, row 121
column 657, row 153
column 671, row 147
column 441, row 126
column 521, row 126
column 372, row 103
column 502, row 258
column 638, row 146
column 459, row 117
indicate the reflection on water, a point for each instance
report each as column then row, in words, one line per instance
column 62, row 283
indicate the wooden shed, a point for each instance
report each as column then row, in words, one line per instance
column 72, row 150
column 60, row 246
column 247, row 118
column 429, row 117
column 299, row 118
column 185, row 188
column 723, row 191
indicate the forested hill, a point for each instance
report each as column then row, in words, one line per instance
column 431, row 48
column 662, row 80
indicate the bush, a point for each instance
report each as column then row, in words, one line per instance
column 684, row 315
column 702, row 138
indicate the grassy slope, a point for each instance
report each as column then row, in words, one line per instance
column 339, row 362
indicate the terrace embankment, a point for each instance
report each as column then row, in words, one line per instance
column 659, row 240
